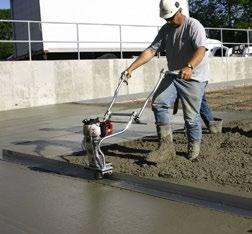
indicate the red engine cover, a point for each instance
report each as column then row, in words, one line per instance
column 106, row 128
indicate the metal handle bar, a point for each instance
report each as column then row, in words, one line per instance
column 132, row 115
column 123, row 79
column 163, row 73
column 120, row 114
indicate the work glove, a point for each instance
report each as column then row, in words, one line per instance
column 125, row 76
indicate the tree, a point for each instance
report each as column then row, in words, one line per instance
column 6, row 49
column 224, row 14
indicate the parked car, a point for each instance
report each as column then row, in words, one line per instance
column 247, row 51
column 241, row 51
column 216, row 48
column 220, row 51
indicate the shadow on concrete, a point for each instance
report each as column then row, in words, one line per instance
column 123, row 151
column 237, row 130
column 48, row 165
column 41, row 145
column 75, row 129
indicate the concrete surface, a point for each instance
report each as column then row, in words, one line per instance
column 45, row 134
column 56, row 130
column 38, row 203
column 35, row 83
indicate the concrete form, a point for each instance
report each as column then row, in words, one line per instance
column 26, row 84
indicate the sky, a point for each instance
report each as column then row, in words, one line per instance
column 4, row 4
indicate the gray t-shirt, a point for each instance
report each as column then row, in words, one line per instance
column 180, row 44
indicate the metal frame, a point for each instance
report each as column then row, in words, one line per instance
column 120, row 42
column 99, row 157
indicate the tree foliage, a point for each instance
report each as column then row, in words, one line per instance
column 6, row 49
column 222, row 13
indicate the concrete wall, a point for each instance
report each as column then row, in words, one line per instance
column 34, row 83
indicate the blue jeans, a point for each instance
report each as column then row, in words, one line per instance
column 205, row 111
column 190, row 93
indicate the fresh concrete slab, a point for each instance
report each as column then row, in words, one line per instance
column 56, row 130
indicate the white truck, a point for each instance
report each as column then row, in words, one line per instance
column 84, row 28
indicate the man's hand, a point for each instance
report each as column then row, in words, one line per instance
column 186, row 73
column 143, row 58
column 125, row 75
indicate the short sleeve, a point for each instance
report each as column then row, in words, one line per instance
column 198, row 35
column 159, row 41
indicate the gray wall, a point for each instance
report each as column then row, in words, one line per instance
column 35, row 83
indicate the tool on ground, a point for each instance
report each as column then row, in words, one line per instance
column 97, row 131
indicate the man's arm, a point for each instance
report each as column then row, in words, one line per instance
column 143, row 58
column 197, row 57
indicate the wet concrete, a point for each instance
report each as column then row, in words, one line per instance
column 53, row 131
column 231, row 202
column 35, row 202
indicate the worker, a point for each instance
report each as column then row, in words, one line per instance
column 183, row 39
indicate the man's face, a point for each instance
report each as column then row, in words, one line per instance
column 174, row 20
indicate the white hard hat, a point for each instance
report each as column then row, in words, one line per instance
column 168, row 8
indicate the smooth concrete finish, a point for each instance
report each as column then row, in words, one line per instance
column 56, row 130
column 35, row 83
column 34, row 202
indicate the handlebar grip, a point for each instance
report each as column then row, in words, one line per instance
column 175, row 72
column 125, row 76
